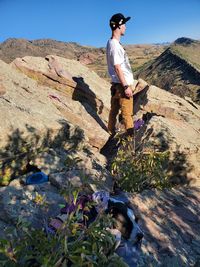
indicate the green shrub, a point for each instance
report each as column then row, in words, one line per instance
column 73, row 245
column 135, row 172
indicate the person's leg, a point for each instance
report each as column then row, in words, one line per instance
column 126, row 105
column 115, row 106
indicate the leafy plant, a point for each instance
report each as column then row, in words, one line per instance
column 135, row 172
column 75, row 244
column 5, row 176
column 71, row 162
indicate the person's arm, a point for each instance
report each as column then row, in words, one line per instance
column 119, row 72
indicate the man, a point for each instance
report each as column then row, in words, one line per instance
column 121, row 74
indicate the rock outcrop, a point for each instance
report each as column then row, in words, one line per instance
column 53, row 114
column 74, row 95
column 61, row 104
column 173, row 124
column 53, row 119
column 76, row 88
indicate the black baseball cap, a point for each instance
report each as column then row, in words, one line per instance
column 117, row 20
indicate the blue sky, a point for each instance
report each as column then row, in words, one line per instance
column 86, row 21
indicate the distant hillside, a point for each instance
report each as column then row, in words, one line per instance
column 93, row 57
column 12, row 48
column 177, row 69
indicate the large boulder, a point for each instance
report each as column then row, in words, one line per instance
column 78, row 93
column 171, row 123
column 43, row 106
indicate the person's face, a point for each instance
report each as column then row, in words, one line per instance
column 123, row 29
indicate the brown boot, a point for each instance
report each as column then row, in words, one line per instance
column 130, row 132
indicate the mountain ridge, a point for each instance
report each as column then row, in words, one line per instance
column 177, row 69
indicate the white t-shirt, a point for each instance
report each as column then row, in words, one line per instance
column 116, row 55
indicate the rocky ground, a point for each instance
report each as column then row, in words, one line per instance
column 53, row 115
column 21, row 201
column 171, row 223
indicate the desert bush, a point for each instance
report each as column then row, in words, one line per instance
column 135, row 172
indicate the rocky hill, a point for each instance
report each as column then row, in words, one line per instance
column 177, row 69
column 53, row 114
column 93, row 57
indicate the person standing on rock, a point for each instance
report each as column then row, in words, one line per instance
column 121, row 74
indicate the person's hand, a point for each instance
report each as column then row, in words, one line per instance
column 128, row 92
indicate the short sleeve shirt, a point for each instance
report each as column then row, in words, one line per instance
column 116, row 55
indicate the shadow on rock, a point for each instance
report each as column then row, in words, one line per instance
column 87, row 98
column 170, row 220
column 21, row 148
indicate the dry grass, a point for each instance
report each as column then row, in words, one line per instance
column 190, row 53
